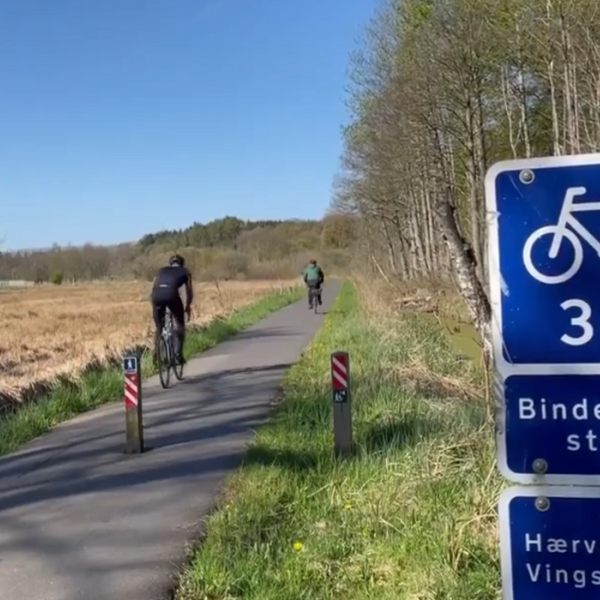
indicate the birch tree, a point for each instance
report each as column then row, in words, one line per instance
column 439, row 91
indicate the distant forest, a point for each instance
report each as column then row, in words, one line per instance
column 227, row 248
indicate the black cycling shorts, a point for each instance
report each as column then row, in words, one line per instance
column 163, row 298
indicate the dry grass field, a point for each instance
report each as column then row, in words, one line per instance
column 49, row 331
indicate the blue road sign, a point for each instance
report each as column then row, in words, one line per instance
column 130, row 364
column 544, row 251
column 550, row 426
column 550, row 543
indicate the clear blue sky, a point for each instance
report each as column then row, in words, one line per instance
column 123, row 117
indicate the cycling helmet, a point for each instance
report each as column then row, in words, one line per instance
column 177, row 259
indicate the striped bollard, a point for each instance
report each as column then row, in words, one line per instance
column 134, row 431
column 342, row 415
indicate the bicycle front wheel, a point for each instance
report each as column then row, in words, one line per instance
column 164, row 363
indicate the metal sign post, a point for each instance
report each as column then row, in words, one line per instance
column 342, row 415
column 134, row 430
column 544, row 265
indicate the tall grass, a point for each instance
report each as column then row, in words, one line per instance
column 410, row 516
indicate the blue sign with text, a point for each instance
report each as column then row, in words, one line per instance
column 545, row 259
column 550, row 543
column 555, row 418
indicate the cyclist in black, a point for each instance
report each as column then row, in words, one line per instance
column 165, row 294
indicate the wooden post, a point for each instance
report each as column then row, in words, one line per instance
column 134, row 429
column 342, row 413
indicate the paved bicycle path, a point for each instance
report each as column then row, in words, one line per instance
column 79, row 520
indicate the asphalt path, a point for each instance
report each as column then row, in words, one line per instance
column 81, row 520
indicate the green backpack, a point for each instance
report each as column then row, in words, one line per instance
column 312, row 273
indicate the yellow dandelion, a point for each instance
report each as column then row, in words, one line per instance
column 298, row 546
column 348, row 506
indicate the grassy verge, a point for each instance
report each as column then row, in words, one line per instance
column 411, row 516
column 101, row 386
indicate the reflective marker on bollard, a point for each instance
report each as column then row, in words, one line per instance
column 134, row 431
column 342, row 415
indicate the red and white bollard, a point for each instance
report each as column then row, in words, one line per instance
column 342, row 415
column 132, row 383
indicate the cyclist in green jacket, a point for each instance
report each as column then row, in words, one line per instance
column 313, row 277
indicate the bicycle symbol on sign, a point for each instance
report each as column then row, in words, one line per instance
column 560, row 232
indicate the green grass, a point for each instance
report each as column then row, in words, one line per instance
column 463, row 336
column 410, row 517
column 100, row 386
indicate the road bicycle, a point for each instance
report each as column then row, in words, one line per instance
column 168, row 346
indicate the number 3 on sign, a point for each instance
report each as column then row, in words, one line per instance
column 583, row 321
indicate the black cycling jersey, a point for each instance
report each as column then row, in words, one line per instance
column 171, row 278
column 165, row 294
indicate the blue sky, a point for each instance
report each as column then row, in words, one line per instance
column 123, row 117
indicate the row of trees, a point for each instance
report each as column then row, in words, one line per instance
column 226, row 248
column 218, row 233
column 441, row 89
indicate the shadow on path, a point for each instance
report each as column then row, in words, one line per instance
column 79, row 519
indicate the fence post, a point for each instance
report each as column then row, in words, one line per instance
column 134, row 429
column 342, row 412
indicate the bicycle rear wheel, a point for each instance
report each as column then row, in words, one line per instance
column 177, row 368
column 164, row 362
